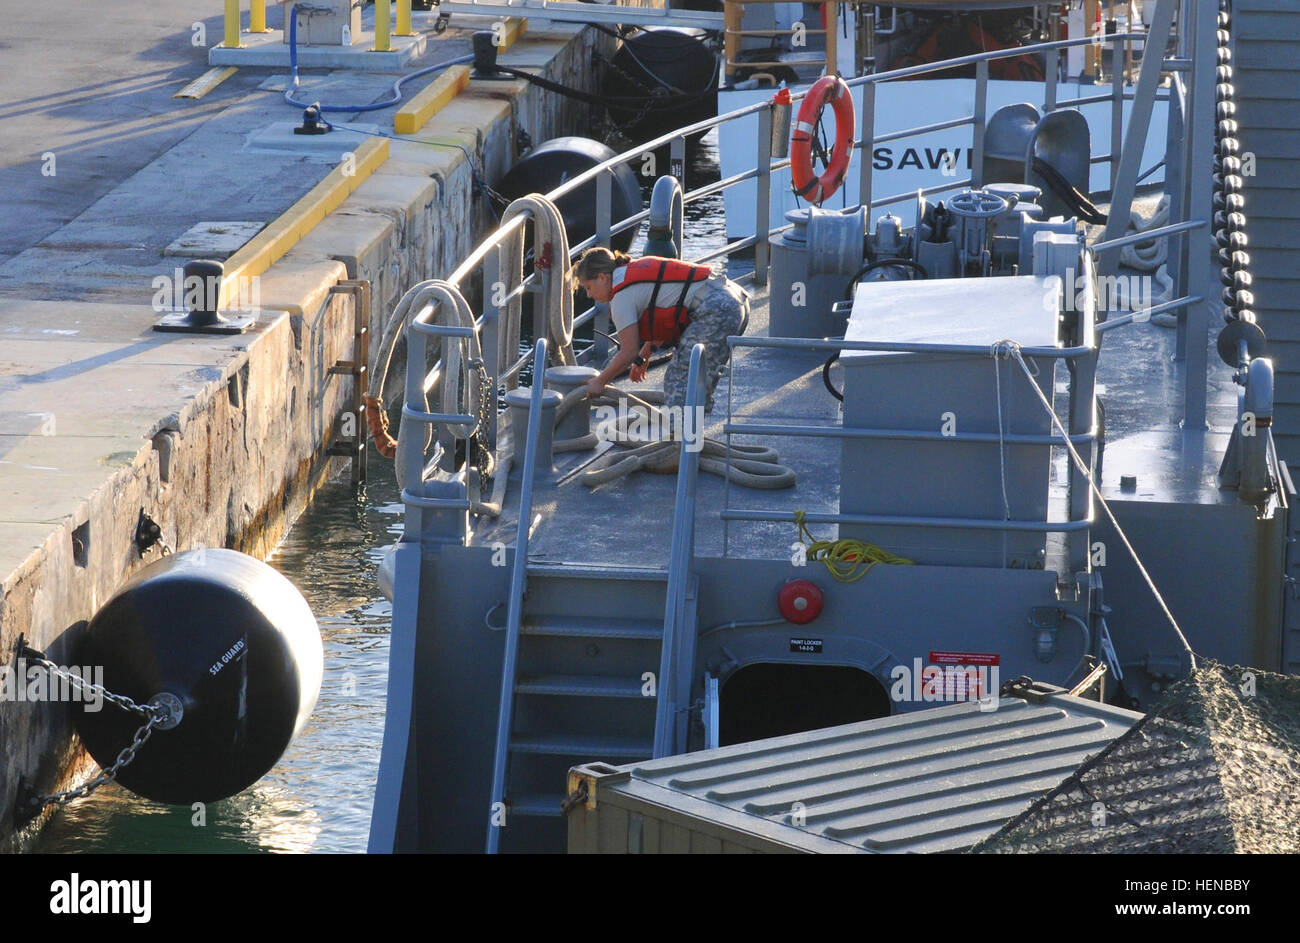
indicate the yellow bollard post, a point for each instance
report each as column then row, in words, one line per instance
column 383, row 16
column 232, row 25
column 257, row 16
column 404, row 18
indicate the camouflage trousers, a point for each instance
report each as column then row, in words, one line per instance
column 719, row 315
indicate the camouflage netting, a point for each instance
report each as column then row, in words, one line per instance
column 1214, row 768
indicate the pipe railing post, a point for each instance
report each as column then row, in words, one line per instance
column 1051, row 71
column 763, row 213
column 403, row 26
column 978, row 117
column 383, row 26
column 515, row 604
column 604, row 207
column 411, row 456
column 867, row 155
column 604, row 222
column 231, row 40
column 1116, row 108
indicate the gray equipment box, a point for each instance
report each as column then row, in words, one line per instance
column 937, row 780
column 937, row 401
column 325, row 23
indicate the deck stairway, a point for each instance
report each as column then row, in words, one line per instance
column 585, row 684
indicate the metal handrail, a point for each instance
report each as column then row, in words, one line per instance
column 901, row 520
column 518, row 575
column 603, row 173
column 679, row 562
column 495, row 239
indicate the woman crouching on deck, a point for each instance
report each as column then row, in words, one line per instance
column 655, row 302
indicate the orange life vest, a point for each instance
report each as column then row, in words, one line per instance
column 663, row 325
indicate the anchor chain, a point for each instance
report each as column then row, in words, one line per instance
column 158, row 713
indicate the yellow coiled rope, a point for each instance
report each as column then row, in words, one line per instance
column 847, row 560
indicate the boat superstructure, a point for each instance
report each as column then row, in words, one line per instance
column 577, row 615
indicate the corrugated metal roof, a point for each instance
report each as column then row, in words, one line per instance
column 929, row 781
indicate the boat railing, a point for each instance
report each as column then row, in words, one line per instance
column 1081, row 360
column 515, row 608
column 484, row 261
column 680, row 559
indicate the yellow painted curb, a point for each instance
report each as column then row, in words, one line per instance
column 412, row 116
column 263, row 250
column 206, row 82
column 514, row 30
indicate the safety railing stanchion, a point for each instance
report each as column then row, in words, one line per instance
column 868, row 143
column 679, row 560
column 518, row 576
column 410, row 447
column 979, row 116
column 1116, row 106
column 763, row 212
column 604, row 207
column 1051, row 68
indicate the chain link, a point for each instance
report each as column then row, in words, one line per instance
column 81, row 684
column 36, row 803
column 653, row 96
column 156, row 714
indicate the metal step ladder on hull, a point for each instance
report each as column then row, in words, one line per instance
column 585, row 684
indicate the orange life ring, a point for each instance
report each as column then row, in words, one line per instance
column 829, row 88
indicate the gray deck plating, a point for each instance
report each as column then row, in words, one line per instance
column 627, row 522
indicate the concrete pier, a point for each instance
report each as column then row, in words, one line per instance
column 220, row 439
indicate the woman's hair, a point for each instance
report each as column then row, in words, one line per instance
column 598, row 261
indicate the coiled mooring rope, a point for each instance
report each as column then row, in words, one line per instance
column 750, row 466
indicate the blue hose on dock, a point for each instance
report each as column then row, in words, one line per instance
column 374, row 106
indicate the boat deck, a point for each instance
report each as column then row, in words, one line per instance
column 627, row 522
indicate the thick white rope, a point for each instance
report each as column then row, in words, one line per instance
column 550, row 248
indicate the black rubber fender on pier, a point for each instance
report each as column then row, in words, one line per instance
column 229, row 637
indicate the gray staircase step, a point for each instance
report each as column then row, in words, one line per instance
column 547, row 806
column 579, row 686
column 591, row 748
column 591, row 627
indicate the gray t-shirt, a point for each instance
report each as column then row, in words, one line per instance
column 626, row 307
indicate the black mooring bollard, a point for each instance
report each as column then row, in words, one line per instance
column 201, row 291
